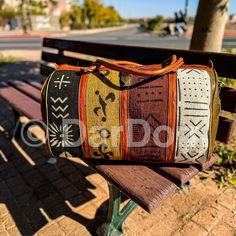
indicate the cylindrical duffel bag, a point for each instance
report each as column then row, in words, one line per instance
column 126, row 111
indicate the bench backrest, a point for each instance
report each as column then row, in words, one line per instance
column 83, row 53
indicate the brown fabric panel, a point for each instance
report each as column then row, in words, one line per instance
column 150, row 103
column 196, row 66
column 172, row 111
column 215, row 110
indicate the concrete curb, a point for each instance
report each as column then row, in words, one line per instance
column 101, row 30
column 30, row 35
column 226, row 34
column 73, row 32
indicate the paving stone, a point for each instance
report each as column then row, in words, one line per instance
column 95, row 179
column 6, row 166
column 23, row 167
column 230, row 192
column 55, row 211
column 2, row 228
column 83, row 186
column 191, row 229
column 34, row 178
column 98, row 193
column 52, row 200
column 68, row 169
column 14, row 231
column 84, row 169
column 37, row 220
column 61, row 183
column 80, row 231
column 88, row 211
column 11, row 205
column 26, row 199
column 7, row 221
column 16, row 218
column 68, row 225
column 20, row 189
column 69, row 192
column 230, row 219
column 51, row 230
column 50, row 172
column 226, row 201
column 9, row 173
column 4, row 233
column 76, row 177
column 5, row 193
column 61, row 162
column 44, row 191
column 223, row 229
column 76, row 201
column 14, row 181
column 208, row 217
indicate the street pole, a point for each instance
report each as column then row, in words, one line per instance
column 186, row 9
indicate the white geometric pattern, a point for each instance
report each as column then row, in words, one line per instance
column 193, row 115
column 60, row 136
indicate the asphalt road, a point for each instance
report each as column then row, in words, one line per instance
column 130, row 36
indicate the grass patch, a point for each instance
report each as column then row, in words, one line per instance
column 7, row 59
column 225, row 167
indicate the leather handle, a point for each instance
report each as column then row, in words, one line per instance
column 123, row 66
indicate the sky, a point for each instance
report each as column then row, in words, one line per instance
column 150, row 8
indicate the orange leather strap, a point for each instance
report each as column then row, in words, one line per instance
column 124, row 67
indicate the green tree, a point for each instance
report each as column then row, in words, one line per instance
column 76, row 16
column 99, row 15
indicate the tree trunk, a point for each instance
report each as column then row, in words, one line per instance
column 25, row 17
column 209, row 25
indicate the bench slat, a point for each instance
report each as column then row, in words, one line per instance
column 225, row 129
column 144, row 185
column 26, row 89
column 183, row 173
column 61, row 59
column 21, row 102
column 46, row 70
column 228, row 99
column 147, row 184
column 146, row 55
column 34, row 84
column 180, row 175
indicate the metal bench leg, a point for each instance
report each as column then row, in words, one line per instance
column 116, row 217
column 16, row 130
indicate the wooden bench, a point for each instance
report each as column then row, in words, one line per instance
column 145, row 185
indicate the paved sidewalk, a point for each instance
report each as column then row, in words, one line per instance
column 70, row 199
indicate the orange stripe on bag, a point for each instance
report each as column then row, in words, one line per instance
column 172, row 106
column 124, row 124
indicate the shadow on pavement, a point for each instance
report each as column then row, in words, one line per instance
column 20, row 71
column 38, row 194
